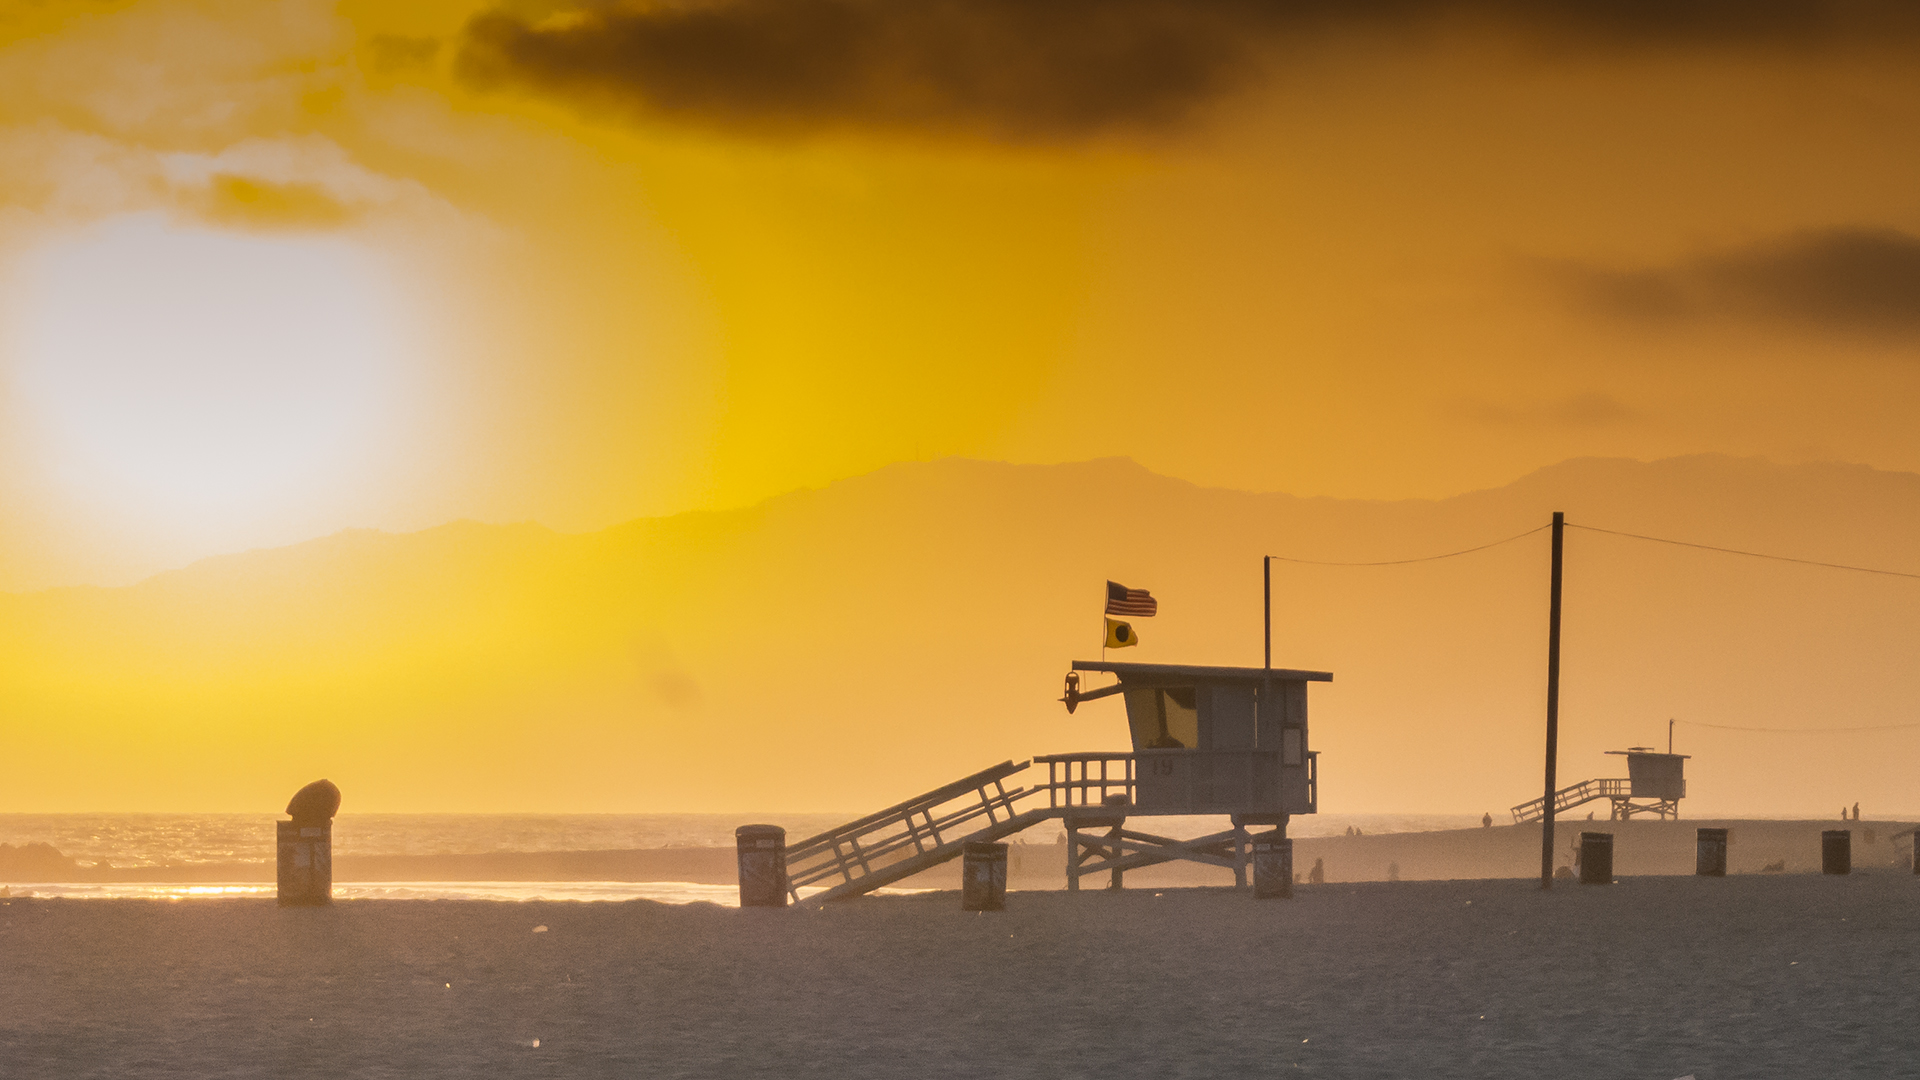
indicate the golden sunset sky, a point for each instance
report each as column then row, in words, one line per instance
column 271, row 269
column 576, row 263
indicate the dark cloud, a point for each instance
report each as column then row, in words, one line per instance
column 1037, row 69
column 1860, row 280
column 1025, row 68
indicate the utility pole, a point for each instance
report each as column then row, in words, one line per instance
column 1266, row 661
column 1553, row 700
column 1266, row 608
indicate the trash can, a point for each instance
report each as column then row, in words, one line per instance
column 1272, row 866
column 304, row 846
column 762, row 854
column 306, row 862
column 1596, row 858
column 1836, row 851
column 1712, row 858
column 983, row 876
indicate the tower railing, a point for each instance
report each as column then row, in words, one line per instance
column 1179, row 781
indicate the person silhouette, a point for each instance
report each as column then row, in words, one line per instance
column 1486, row 821
column 1318, row 875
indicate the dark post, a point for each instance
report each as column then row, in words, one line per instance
column 1596, row 858
column 1711, row 853
column 1266, row 610
column 761, row 851
column 983, row 876
column 1272, row 866
column 1836, row 851
column 305, row 846
column 1266, row 682
column 1553, row 700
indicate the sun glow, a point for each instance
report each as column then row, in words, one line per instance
column 203, row 371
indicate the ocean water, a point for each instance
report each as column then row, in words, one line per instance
column 158, row 840
column 128, row 840
column 666, row 892
column 199, row 839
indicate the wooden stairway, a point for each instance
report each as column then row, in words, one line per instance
column 1571, row 796
column 906, row 838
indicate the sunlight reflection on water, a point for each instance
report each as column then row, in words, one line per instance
column 137, row 840
column 666, row 892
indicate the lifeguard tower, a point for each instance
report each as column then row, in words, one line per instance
column 1657, row 780
column 1202, row 745
column 1206, row 741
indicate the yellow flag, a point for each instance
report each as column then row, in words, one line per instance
column 1120, row 635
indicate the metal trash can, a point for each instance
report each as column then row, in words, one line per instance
column 1596, row 858
column 304, row 846
column 983, row 876
column 1272, row 866
column 305, row 863
column 1712, row 858
column 1836, row 851
column 761, row 851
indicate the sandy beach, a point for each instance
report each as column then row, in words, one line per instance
column 1653, row 978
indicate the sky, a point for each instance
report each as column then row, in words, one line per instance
column 273, row 269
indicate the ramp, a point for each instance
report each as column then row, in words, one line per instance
column 1567, row 798
column 908, row 837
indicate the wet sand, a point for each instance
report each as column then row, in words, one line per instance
column 1656, row 978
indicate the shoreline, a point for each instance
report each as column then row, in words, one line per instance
column 1641, row 848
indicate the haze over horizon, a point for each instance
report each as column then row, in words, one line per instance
column 842, row 647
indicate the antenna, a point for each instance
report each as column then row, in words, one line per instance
column 1669, row 734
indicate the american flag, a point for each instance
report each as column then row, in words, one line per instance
column 1124, row 601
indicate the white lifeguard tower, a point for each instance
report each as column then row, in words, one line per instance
column 1206, row 741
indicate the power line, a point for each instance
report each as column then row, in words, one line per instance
column 1803, row 731
column 1749, row 554
column 1421, row 559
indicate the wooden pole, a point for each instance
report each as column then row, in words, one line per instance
column 1266, row 653
column 1553, row 700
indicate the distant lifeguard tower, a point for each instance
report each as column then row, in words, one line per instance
column 1206, row 741
column 1657, row 780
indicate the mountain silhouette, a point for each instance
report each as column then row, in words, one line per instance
column 844, row 647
